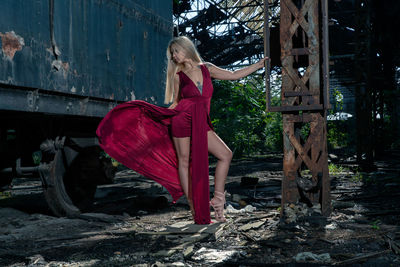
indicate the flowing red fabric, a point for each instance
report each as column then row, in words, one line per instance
column 139, row 135
column 136, row 134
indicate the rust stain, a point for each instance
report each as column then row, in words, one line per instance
column 11, row 43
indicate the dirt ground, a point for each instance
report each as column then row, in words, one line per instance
column 134, row 223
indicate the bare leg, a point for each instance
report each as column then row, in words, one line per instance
column 182, row 146
column 221, row 151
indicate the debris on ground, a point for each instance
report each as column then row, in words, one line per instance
column 130, row 224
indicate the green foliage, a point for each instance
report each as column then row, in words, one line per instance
column 5, row 194
column 273, row 132
column 337, row 134
column 337, row 95
column 239, row 117
column 337, row 131
column 305, row 131
column 36, row 157
column 357, row 177
column 336, row 169
column 375, row 224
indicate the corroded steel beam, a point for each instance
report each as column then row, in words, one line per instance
column 304, row 101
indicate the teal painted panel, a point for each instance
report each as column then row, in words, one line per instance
column 110, row 49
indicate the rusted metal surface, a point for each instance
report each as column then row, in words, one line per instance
column 304, row 32
column 267, row 53
column 304, row 102
column 325, row 53
column 11, row 43
column 84, row 49
column 305, row 160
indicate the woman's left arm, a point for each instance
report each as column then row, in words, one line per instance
column 223, row 74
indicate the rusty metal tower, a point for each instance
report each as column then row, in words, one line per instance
column 304, row 100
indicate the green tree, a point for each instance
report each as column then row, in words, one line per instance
column 239, row 117
column 337, row 135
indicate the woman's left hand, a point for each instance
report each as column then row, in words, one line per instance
column 261, row 63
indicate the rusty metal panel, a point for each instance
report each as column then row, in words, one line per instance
column 103, row 49
column 286, row 45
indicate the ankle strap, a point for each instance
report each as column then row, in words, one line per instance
column 219, row 195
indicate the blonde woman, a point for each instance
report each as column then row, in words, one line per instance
column 171, row 145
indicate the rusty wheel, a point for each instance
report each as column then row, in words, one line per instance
column 73, row 176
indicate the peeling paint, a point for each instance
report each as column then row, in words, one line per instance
column 57, row 64
column 54, row 52
column 61, row 66
column 11, row 43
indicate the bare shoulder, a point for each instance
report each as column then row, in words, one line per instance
column 215, row 72
column 209, row 65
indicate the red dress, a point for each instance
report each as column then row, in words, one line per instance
column 138, row 135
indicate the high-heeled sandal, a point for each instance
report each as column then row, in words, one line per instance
column 218, row 204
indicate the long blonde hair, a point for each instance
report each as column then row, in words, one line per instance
column 190, row 52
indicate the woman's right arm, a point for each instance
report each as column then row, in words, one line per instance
column 176, row 91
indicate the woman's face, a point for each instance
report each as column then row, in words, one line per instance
column 177, row 54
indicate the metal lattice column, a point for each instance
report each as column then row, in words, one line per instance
column 304, row 101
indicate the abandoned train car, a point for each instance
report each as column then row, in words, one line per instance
column 63, row 66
